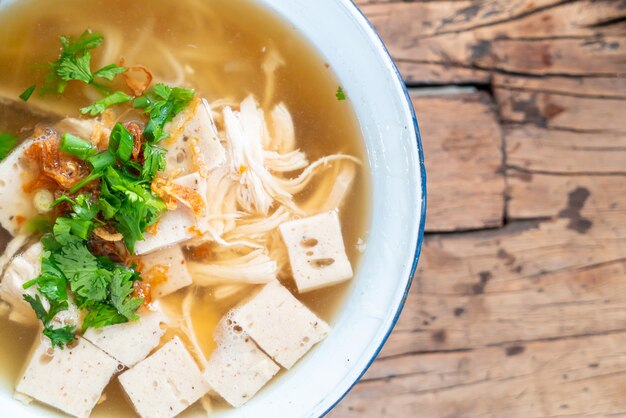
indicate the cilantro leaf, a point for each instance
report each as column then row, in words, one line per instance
column 84, row 208
column 75, row 259
column 101, row 105
column 154, row 161
column 37, row 305
column 162, row 103
column 62, row 230
column 75, row 68
column 109, row 72
column 7, row 143
column 60, row 337
column 74, row 63
column 53, row 288
column 121, row 294
column 102, row 315
column 341, row 95
column 86, row 41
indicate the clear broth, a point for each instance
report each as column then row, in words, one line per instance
column 222, row 44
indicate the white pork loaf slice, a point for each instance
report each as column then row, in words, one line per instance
column 280, row 324
column 176, row 226
column 21, row 269
column 15, row 204
column 237, row 369
column 71, row 380
column 193, row 144
column 316, row 251
column 131, row 342
column 166, row 383
column 172, row 260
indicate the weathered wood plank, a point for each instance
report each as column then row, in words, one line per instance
column 573, row 377
column 562, row 111
column 432, row 18
column 462, row 145
column 562, row 277
column 526, row 36
column 533, row 195
column 534, row 148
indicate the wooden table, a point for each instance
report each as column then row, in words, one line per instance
column 518, row 308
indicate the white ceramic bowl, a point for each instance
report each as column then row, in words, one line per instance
column 346, row 40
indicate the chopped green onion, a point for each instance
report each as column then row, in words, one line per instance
column 93, row 176
column 27, row 93
column 121, row 142
column 77, row 146
column 101, row 161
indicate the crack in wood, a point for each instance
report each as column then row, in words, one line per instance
column 502, row 71
column 514, row 18
column 564, row 173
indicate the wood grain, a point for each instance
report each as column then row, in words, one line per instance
column 564, row 112
column 470, row 157
column 546, row 37
column 571, row 377
column 533, row 195
column 534, row 148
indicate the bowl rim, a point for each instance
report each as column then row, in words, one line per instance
column 384, row 54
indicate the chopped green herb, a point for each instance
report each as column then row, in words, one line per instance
column 38, row 224
column 7, row 143
column 137, row 207
column 74, row 63
column 154, row 161
column 109, row 72
column 101, row 161
column 121, row 142
column 341, row 95
column 27, row 93
column 101, row 105
column 60, row 337
column 102, row 315
column 75, row 68
column 86, row 41
column 122, row 294
column 103, row 288
column 162, row 103
column 77, row 146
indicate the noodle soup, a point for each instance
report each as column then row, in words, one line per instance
column 252, row 78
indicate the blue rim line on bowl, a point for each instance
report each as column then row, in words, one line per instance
column 385, row 55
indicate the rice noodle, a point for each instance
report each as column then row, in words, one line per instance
column 227, row 291
column 273, row 61
column 253, row 268
column 178, row 71
column 187, row 327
